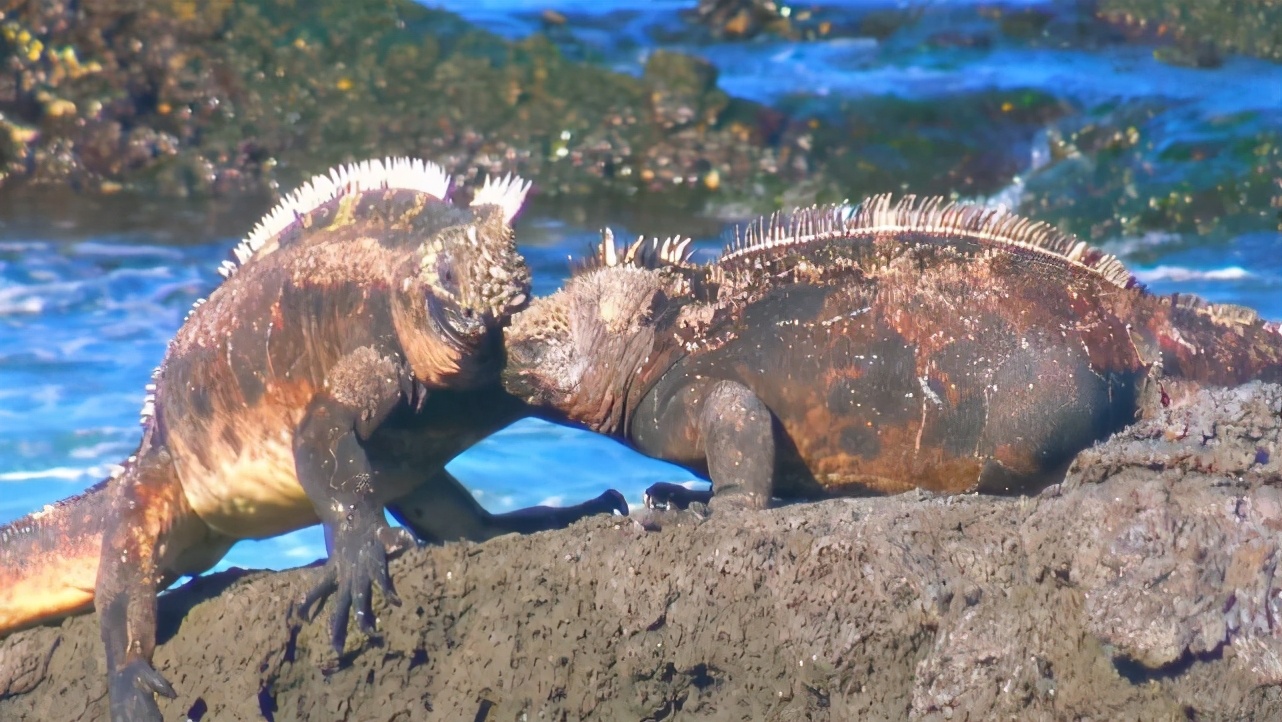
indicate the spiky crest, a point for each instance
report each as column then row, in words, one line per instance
column 26, row 526
column 641, row 253
column 374, row 174
column 507, row 193
column 994, row 227
column 149, row 400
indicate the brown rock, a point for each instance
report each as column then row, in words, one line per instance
column 1141, row 588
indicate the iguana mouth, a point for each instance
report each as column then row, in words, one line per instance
column 463, row 327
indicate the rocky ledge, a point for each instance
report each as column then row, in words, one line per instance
column 1143, row 587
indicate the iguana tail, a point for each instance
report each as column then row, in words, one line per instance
column 1220, row 344
column 49, row 560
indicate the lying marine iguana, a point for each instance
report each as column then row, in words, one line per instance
column 322, row 380
column 915, row 344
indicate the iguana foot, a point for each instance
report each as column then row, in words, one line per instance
column 656, row 519
column 611, row 502
column 736, row 499
column 674, row 496
column 132, row 692
column 357, row 560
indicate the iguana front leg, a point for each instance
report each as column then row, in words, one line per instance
column 732, row 427
column 442, row 510
column 146, row 501
column 334, row 471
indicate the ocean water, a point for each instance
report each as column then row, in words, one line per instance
column 85, row 317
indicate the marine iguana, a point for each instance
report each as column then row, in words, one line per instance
column 899, row 345
column 325, row 378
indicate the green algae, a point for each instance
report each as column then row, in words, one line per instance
column 189, row 99
column 1119, row 172
column 186, row 99
column 968, row 144
column 178, row 98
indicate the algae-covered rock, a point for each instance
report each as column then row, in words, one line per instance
column 1129, row 169
column 735, row 19
column 184, row 98
column 969, row 143
column 1201, row 29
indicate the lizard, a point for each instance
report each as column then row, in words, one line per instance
column 353, row 346
column 871, row 349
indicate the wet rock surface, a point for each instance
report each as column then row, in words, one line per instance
column 1143, row 587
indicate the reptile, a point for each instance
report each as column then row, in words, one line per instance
column 894, row 345
column 340, row 361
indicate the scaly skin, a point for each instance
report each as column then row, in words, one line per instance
column 49, row 560
column 919, row 345
column 349, row 356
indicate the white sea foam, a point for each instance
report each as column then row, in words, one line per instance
column 16, row 300
column 57, row 473
column 1182, row 274
column 1135, row 244
column 304, row 552
column 102, row 449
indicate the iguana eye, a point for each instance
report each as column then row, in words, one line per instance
column 448, row 278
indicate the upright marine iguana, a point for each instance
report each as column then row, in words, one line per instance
column 324, row 379
column 905, row 344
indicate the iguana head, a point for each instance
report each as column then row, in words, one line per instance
column 574, row 353
column 453, row 271
column 470, row 273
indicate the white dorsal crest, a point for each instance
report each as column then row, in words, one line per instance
column 399, row 173
column 994, row 227
column 507, row 193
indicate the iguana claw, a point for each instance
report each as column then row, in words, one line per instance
column 357, row 561
column 132, row 692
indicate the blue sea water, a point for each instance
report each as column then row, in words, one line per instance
column 85, row 318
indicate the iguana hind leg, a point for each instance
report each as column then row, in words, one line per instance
column 441, row 510
column 732, row 427
column 146, row 500
column 335, row 472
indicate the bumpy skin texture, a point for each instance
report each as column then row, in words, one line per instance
column 353, row 351
column 836, row 351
